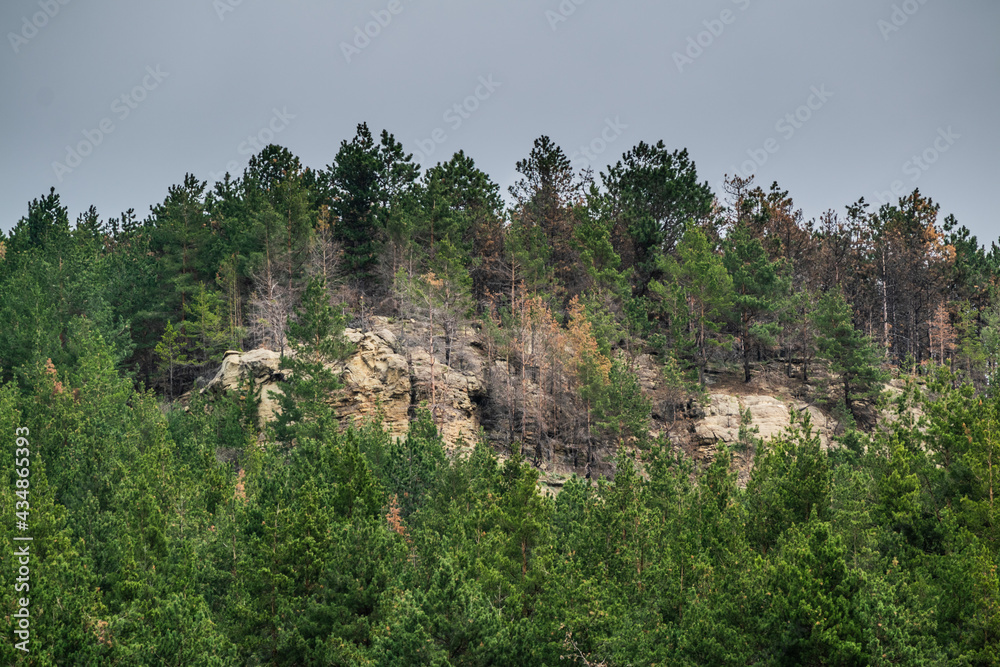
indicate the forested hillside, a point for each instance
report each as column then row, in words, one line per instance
column 174, row 526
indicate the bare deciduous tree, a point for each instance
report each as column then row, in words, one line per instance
column 270, row 306
column 325, row 253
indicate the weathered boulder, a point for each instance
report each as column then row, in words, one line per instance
column 256, row 364
column 262, row 367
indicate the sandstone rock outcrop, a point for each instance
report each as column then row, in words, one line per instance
column 390, row 376
column 721, row 422
column 455, row 395
column 260, row 366
column 768, row 414
column 376, row 381
column 382, row 378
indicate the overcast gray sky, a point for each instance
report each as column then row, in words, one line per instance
column 113, row 102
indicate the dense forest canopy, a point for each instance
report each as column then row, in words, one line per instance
column 315, row 544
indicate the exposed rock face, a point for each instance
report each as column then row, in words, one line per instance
column 390, row 376
column 382, row 378
column 721, row 422
column 769, row 415
column 376, row 381
column 261, row 366
column 455, row 393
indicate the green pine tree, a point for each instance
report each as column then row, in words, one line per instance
column 315, row 336
column 172, row 356
column 368, row 180
column 852, row 355
column 759, row 287
column 696, row 295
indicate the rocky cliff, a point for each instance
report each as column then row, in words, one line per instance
column 384, row 377
column 392, row 374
